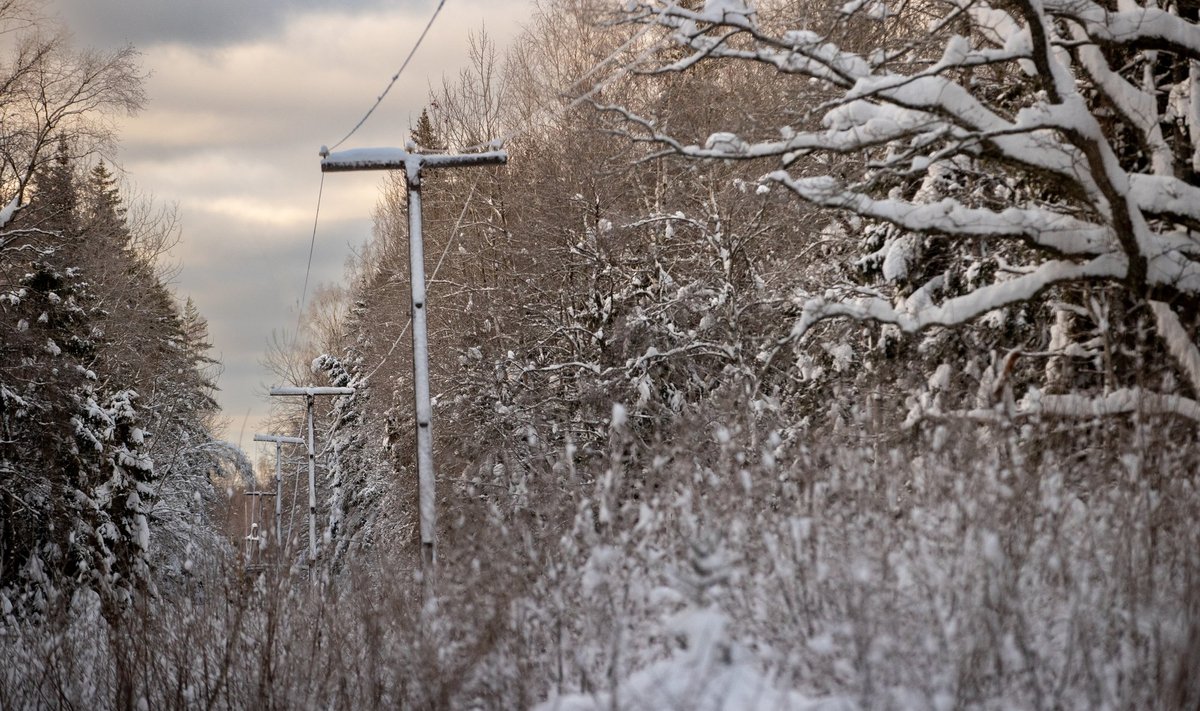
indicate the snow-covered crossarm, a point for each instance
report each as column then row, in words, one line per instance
column 400, row 159
column 311, row 392
column 278, row 439
column 366, row 159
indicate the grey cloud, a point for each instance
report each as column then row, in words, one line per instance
column 248, row 281
column 202, row 23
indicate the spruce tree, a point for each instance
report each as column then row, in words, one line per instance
column 426, row 136
column 54, row 206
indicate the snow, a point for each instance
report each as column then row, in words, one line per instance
column 900, row 253
column 726, row 143
column 619, row 415
column 1178, row 342
column 726, row 10
column 397, row 158
column 1165, row 194
column 707, row 674
column 10, row 210
column 1131, row 25
column 1119, row 402
column 1061, row 233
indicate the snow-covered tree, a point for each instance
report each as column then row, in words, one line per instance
column 1016, row 161
column 107, row 403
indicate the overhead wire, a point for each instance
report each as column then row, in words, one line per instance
column 308, row 270
column 321, row 190
column 403, row 66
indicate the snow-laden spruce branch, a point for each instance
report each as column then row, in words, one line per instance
column 1118, row 213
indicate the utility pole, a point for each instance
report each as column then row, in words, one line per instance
column 279, row 441
column 309, row 394
column 255, row 536
column 413, row 165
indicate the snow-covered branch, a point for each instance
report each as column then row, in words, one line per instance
column 1062, row 234
column 1141, row 28
column 1119, row 402
column 966, row 308
column 1181, row 347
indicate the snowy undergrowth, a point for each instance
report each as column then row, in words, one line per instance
column 1025, row 567
column 1005, row 567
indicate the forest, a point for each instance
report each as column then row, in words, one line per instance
column 801, row 356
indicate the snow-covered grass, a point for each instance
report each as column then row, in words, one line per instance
column 1039, row 566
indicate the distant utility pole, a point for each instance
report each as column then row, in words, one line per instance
column 413, row 164
column 279, row 441
column 254, row 534
column 309, row 394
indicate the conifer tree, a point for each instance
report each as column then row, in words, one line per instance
column 425, row 135
column 56, row 194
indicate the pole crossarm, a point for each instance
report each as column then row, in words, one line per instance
column 278, row 439
column 399, row 158
column 310, row 392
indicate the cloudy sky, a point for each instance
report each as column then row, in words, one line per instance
column 242, row 94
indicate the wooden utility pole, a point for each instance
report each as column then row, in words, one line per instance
column 279, row 441
column 413, row 164
column 309, row 394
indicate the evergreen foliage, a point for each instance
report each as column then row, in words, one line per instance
column 107, row 406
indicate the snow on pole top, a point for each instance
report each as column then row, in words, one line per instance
column 278, row 439
column 312, row 391
column 396, row 158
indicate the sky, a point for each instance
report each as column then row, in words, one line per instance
column 241, row 96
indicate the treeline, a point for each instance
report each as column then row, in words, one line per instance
column 736, row 285
column 107, row 416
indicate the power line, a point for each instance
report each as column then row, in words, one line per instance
column 320, row 192
column 308, row 270
column 379, row 99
